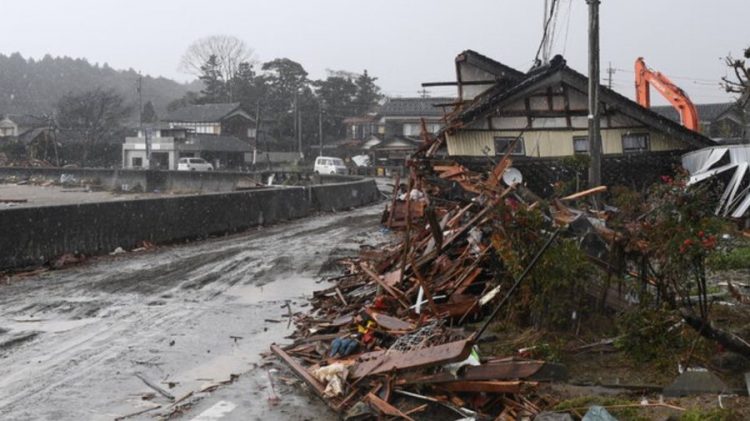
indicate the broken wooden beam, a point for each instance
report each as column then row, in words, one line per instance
column 300, row 371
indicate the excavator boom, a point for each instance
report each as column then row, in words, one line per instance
column 645, row 78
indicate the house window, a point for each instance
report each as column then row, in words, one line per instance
column 635, row 142
column 503, row 143
column 412, row 129
column 137, row 162
column 580, row 145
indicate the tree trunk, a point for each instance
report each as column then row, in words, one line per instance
column 706, row 329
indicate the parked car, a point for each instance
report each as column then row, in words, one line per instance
column 193, row 164
column 330, row 165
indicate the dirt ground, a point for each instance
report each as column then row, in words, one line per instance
column 184, row 317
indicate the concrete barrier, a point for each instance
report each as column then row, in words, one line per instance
column 35, row 235
column 150, row 180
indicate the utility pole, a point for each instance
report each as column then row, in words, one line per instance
column 297, row 122
column 320, row 127
column 424, row 93
column 140, row 122
column 610, row 72
column 545, row 41
column 595, row 139
column 257, row 132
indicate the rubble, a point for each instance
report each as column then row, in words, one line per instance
column 399, row 329
column 402, row 309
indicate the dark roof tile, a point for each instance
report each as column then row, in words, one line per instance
column 706, row 112
column 202, row 112
column 414, row 107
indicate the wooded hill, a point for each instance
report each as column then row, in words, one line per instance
column 29, row 86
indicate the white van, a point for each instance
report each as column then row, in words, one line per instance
column 329, row 165
column 193, row 164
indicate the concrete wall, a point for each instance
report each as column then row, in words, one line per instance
column 33, row 236
column 176, row 181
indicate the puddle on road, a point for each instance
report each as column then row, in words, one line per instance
column 283, row 287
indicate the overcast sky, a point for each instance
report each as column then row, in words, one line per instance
column 402, row 42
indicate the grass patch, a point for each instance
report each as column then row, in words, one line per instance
column 715, row 414
column 737, row 258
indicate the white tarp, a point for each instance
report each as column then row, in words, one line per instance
column 708, row 162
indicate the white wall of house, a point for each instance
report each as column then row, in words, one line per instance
column 202, row 128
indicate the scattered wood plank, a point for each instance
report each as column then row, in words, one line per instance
column 135, row 414
column 386, row 408
column 155, row 387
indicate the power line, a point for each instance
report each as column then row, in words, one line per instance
column 545, row 31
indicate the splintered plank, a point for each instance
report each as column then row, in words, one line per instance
column 299, row 370
column 389, row 322
column 378, row 362
column 386, row 408
column 393, row 291
column 496, row 370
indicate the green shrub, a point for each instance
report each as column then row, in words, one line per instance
column 738, row 258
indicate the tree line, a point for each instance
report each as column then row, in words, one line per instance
column 287, row 102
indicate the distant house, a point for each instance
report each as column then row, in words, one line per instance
column 34, row 134
column 724, row 122
column 393, row 131
column 403, row 116
column 8, row 128
column 214, row 119
column 223, row 134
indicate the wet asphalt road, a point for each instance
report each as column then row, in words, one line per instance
column 184, row 316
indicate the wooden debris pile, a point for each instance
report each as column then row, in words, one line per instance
column 388, row 338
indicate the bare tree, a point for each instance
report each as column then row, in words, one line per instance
column 229, row 51
column 93, row 116
column 741, row 83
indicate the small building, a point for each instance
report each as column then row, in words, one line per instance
column 403, row 116
column 724, row 122
column 8, row 127
column 394, row 130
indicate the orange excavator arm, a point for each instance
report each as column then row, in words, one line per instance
column 645, row 78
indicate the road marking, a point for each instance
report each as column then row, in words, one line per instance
column 218, row 411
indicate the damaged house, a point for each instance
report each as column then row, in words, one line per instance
column 546, row 110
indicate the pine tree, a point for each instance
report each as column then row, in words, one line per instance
column 214, row 88
column 149, row 113
column 368, row 93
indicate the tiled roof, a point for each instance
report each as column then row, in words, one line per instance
column 489, row 65
column 706, row 112
column 414, row 107
column 202, row 112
